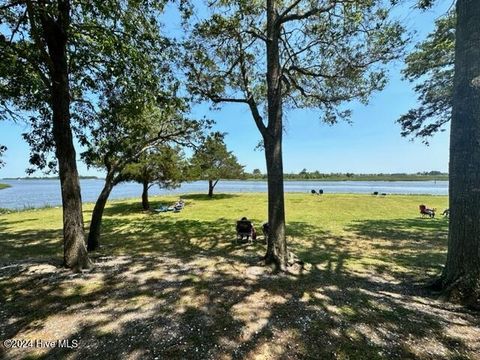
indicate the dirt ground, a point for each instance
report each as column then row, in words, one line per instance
column 153, row 307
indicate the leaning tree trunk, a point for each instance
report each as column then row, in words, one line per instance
column 461, row 275
column 277, row 243
column 97, row 214
column 55, row 32
column 145, row 202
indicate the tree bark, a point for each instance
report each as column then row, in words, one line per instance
column 276, row 244
column 145, row 202
column 97, row 214
column 211, row 186
column 461, row 275
column 276, row 240
column 56, row 37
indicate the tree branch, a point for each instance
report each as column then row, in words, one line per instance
column 300, row 16
column 250, row 99
column 257, row 35
column 20, row 19
column 256, row 115
column 7, row 6
column 36, row 37
column 217, row 99
column 289, row 8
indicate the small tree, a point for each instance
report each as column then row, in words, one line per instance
column 124, row 133
column 212, row 161
column 257, row 174
column 303, row 174
column 163, row 166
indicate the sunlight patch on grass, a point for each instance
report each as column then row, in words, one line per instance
column 81, row 288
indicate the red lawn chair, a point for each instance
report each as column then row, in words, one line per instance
column 425, row 211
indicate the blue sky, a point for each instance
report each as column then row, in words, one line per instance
column 371, row 144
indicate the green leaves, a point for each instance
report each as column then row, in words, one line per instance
column 431, row 67
column 161, row 165
column 3, row 148
column 212, row 160
column 329, row 55
column 127, row 128
column 115, row 50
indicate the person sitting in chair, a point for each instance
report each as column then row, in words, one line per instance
column 245, row 229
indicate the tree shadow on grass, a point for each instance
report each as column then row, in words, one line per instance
column 204, row 197
column 187, row 291
column 129, row 208
column 419, row 229
column 123, row 208
column 147, row 307
column 418, row 245
column 179, row 237
column 319, row 246
column 30, row 243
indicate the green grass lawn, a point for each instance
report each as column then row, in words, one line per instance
column 4, row 186
column 176, row 285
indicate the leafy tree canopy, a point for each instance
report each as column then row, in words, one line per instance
column 431, row 66
column 114, row 46
column 277, row 55
column 212, row 160
column 330, row 52
column 127, row 130
column 162, row 165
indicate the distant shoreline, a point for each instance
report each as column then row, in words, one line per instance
column 379, row 178
column 52, row 178
column 4, row 186
column 323, row 179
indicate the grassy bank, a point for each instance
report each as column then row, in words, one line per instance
column 4, row 186
column 176, row 285
column 309, row 217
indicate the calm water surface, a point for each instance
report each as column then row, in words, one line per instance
column 38, row 193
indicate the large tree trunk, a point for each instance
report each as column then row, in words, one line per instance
column 276, row 244
column 210, row 188
column 97, row 214
column 461, row 275
column 276, row 239
column 75, row 252
column 145, row 202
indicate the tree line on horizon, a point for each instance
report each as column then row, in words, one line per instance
column 304, row 174
column 257, row 174
column 108, row 75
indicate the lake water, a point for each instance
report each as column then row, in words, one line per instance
column 38, row 193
